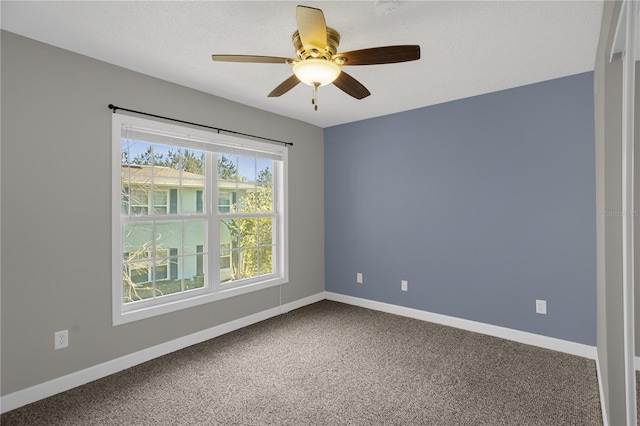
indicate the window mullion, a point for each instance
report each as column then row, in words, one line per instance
column 152, row 260
column 213, row 241
column 152, row 197
column 180, row 258
column 278, row 261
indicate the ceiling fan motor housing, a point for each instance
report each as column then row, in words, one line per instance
column 333, row 40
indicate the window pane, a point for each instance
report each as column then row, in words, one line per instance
column 266, row 260
column 199, row 201
column 227, row 183
column 265, row 171
column 200, row 259
column 226, row 267
column 194, row 236
column 124, row 151
column 247, row 198
column 193, row 196
column 247, row 169
column 163, row 252
column 225, row 260
column 189, row 273
column 139, row 201
column 264, row 199
column 194, row 276
column 227, row 167
column 124, row 198
column 173, row 201
column 249, row 263
column 193, row 164
column 248, row 232
column 224, row 200
column 139, row 272
column 139, row 153
column 161, row 156
column 137, row 238
column 161, row 273
column 231, row 273
column 168, row 235
column 162, row 269
column 173, row 264
column 235, row 266
column 166, row 159
column 229, row 232
column 164, row 285
column 160, row 202
column 160, row 198
column 137, row 180
column 265, row 231
column 136, row 283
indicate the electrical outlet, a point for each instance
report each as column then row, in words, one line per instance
column 359, row 278
column 541, row 307
column 404, row 285
column 60, row 339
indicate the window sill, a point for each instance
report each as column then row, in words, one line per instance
column 123, row 317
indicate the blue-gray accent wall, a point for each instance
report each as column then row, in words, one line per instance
column 483, row 204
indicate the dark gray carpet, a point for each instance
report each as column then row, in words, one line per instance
column 335, row 364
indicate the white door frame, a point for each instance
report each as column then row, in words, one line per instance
column 625, row 42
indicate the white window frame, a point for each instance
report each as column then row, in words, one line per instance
column 213, row 290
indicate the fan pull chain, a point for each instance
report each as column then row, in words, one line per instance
column 314, row 99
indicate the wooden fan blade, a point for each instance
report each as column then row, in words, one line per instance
column 284, row 87
column 381, row 55
column 250, row 58
column 312, row 28
column 351, row 86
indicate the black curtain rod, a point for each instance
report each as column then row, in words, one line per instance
column 114, row 108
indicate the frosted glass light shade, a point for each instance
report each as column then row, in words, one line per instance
column 320, row 71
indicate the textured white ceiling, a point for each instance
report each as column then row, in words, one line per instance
column 468, row 47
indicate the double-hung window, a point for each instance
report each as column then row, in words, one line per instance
column 197, row 217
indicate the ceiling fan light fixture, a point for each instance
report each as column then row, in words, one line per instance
column 316, row 71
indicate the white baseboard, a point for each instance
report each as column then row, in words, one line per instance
column 35, row 393
column 552, row 343
column 26, row 396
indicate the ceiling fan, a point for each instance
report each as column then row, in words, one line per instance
column 318, row 62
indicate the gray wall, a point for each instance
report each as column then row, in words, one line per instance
column 483, row 204
column 56, row 225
